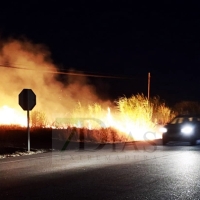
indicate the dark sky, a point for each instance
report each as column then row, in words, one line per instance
column 117, row 39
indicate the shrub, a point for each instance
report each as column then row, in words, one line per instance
column 161, row 113
column 38, row 119
column 187, row 107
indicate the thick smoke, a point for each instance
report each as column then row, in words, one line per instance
column 54, row 97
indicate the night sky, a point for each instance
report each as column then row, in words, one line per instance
column 116, row 39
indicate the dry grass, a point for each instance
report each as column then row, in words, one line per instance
column 161, row 113
column 38, row 119
column 136, row 108
column 135, row 114
column 103, row 135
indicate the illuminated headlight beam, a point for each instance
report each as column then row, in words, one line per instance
column 187, row 130
column 163, row 130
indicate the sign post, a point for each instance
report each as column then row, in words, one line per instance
column 27, row 100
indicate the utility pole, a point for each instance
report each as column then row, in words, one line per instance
column 149, row 85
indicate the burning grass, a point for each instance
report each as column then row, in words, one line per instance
column 128, row 120
column 48, row 138
column 103, row 135
column 67, row 102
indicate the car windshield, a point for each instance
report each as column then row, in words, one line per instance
column 180, row 120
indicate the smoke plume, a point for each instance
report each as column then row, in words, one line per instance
column 27, row 65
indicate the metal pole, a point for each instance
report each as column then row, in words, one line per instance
column 28, row 130
column 28, row 119
column 149, row 85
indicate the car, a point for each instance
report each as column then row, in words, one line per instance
column 182, row 128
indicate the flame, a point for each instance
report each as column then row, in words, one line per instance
column 11, row 116
column 27, row 65
column 131, row 130
column 136, row 131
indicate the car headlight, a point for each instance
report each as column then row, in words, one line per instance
column 163, row 130
column 187, row 129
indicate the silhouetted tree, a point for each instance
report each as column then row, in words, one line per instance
column 187, row 107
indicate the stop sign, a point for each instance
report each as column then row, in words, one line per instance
column 27, row 99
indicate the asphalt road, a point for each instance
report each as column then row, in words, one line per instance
column 140, row 172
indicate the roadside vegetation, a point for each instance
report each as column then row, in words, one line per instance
column 187, row 107
column 93, row 123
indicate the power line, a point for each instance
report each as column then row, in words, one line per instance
column 67, row 73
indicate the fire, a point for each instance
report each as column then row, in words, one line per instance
column 136, row 131
column 11, row 116
column 133, row 130
column 27, row 65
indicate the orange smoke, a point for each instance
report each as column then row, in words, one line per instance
column 53, row 97
column 27, row 65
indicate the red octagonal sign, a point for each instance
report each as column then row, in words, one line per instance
column 27, row 99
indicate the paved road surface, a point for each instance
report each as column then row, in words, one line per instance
column 130, row 172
